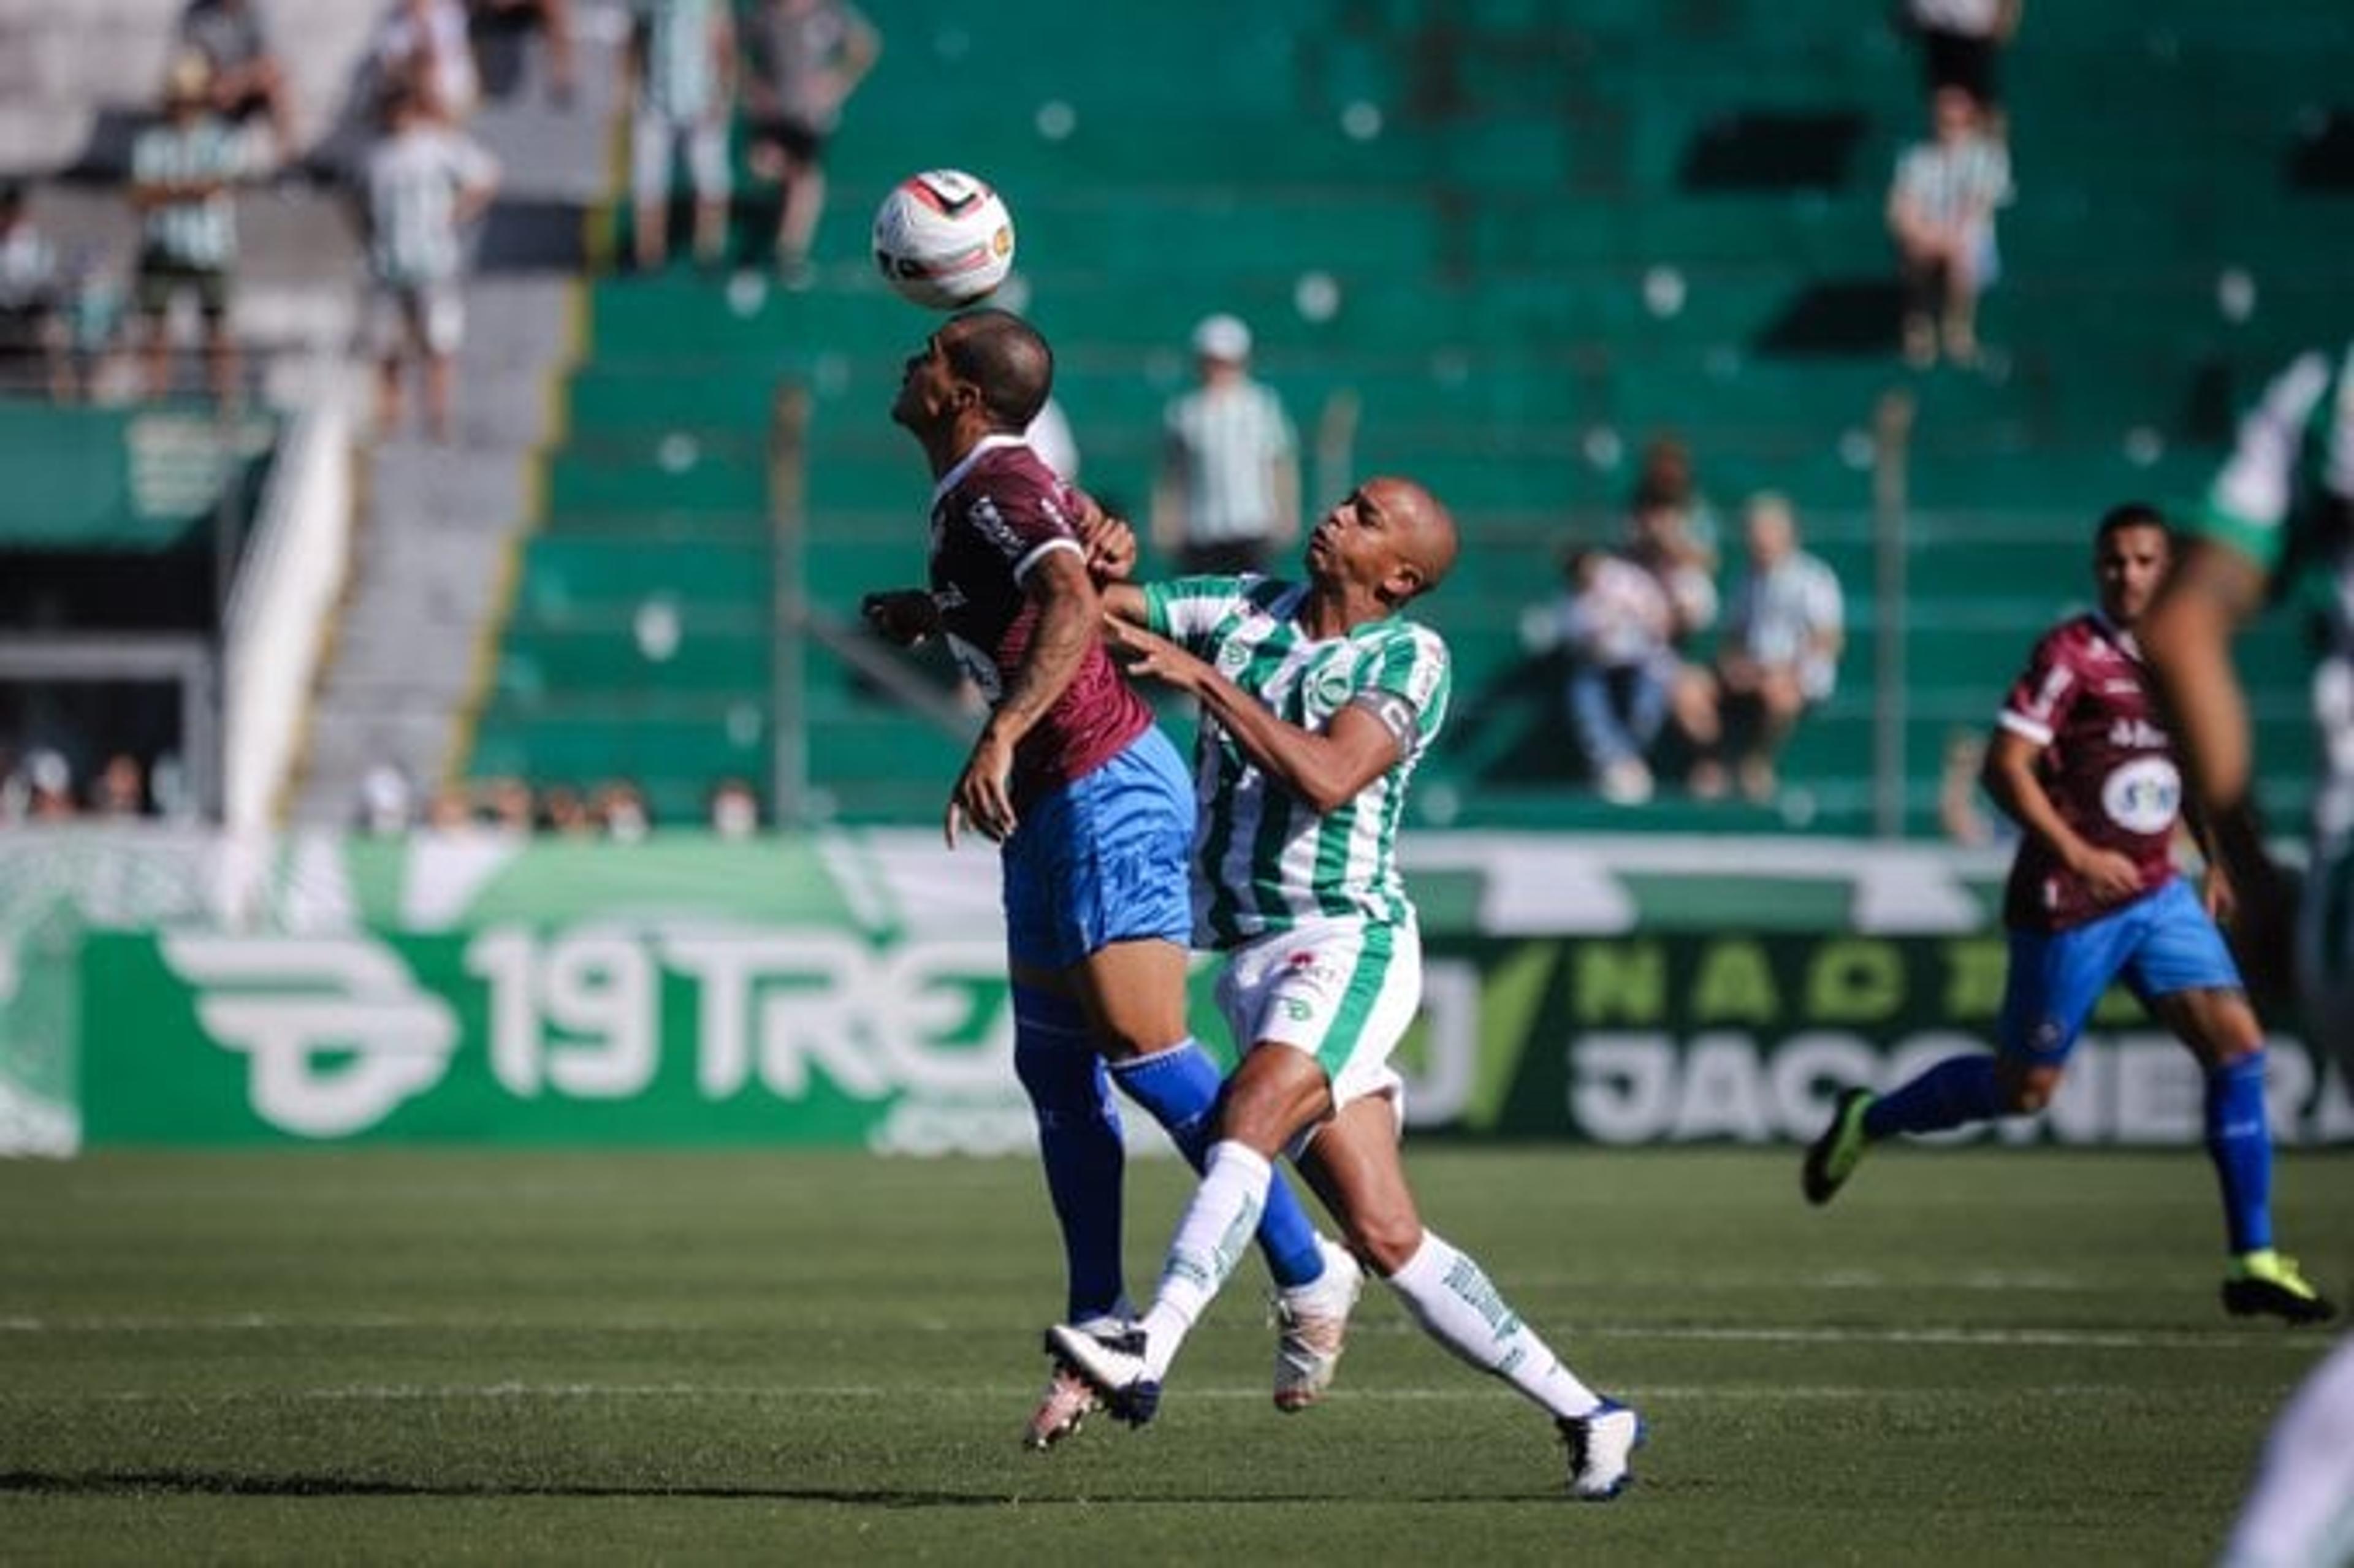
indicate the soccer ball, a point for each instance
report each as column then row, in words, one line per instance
column 943, row 238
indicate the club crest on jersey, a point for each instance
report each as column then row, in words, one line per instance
column 2144, row 796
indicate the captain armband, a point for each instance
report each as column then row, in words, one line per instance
column 1396, row 714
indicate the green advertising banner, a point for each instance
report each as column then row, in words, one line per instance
column 900, row 1042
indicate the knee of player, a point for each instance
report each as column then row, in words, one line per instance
column 1384, row 1243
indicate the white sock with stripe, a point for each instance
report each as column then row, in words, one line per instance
column 1217, row 1228
column 1453, row 1299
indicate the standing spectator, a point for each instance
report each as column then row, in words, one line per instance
column 500, row 29
column 803, row 59
column 1612, row 623
column 1941, row 210
column 678, row 82
column 1228, row 493
column 1960, row 42
column 421, row 183
column 424, row 46
column 1779, row 656
column 182, row 171
column 33, row 338
column 247, row 77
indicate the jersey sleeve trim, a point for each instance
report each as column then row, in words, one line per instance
column 2027, row 728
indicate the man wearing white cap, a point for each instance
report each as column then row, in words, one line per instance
column 1229, row 494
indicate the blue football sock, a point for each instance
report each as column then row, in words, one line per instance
column 1956, row 1090
column 2239, row 1142
column 1179, row 1087
column 1078, row 1142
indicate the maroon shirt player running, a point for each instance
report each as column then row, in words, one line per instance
column 2080, row 760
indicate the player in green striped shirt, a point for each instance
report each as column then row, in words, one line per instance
column 2283, row 500
column 1318, row 701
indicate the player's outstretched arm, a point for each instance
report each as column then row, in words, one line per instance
column 1324, row 767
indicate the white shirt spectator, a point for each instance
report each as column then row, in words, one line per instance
column 1791, row 614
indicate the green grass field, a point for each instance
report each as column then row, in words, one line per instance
column 1975, row 1357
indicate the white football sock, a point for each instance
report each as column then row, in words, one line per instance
column 1451, row 1297
column 1216, row 1230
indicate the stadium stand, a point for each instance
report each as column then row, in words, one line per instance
column 1488, row 244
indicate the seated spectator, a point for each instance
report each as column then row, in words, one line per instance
column 48, row 787
column 679, row 84
column 182, row 173
column 1779, row 655
column 621, row 807
column 387, row 804
column 33, row 332
column 121, row 789
column 1612, row 623
column 423, row 44
column 564, row 811
column 1941, row 209
column 499, row 31
column 247, row 79
column 1672, row 534
column 735, row 809
column 421, row 183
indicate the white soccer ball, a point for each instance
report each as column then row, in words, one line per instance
column 943, row 238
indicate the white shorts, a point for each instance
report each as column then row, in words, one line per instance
column 401, row 314
column 652, row 137
column 1345, row 992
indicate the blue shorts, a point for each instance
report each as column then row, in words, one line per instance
column 2161, row 943
column 1104, row 859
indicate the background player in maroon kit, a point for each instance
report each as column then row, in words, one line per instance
column 2080, row 760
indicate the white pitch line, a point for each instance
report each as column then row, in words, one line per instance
column 1469, row 1391
column 2238, row 1342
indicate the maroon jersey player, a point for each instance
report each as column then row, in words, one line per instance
column 2080, row 759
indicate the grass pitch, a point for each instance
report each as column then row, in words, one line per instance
column 1973, row 1357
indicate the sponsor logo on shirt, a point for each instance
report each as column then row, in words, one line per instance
column 2144, row 796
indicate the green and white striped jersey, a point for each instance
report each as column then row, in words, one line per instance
column 1263, row 859
column 200, row 231
column 682, row 81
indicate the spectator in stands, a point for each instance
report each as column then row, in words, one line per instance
column 1612, row 623
column 620, row 809
column 802, row 58
column 247, row 77
column 1961, row 41
column 182, row 174
column 1779, row 655
column 564, row 811
column 387, row 805
column 507, row 804
column 500, row 29
column 679, row 85
column 33, row 331
column 1941, row 208
column 1228, row 494
column 49, row 786
column 1672, row 534
column 735, row 809
column 421, row 183
column 121, row 787
column 423, row 45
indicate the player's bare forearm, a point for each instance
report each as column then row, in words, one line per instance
column 1067, row 616
column 2187, row 639
column 2009, row 774
column 1326, row 768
